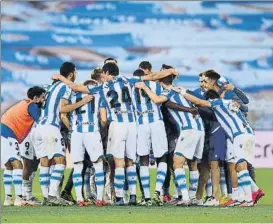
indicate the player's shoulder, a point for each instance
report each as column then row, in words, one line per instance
column 218, row 102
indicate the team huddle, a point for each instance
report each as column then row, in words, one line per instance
column 114, row 127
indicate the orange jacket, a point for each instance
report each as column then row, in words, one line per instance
column 18, row 119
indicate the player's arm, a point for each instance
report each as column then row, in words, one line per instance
column 66, row 107
column 75, row 87
column 153, row 96
column 174, row 106
column 34, row 111
column 242, row 96
column 159, row 75
column 103, row 117
column 65, row 120
column 191, row 98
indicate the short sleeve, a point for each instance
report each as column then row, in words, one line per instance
column 102, row 103
column 229, row 95
column 168, row 93
column 67, row 93
column 94, row 89
column 159, row 88
column 34, row 111
column 216, row 102
column 133, row 80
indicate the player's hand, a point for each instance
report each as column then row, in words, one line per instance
column 229, row 86
column 87, row 99
column 194, row 111
column 174, row 71
column 140, row 85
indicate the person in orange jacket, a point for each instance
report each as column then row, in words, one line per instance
column 16, row 124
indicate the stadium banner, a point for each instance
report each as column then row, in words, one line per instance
column 263, row 155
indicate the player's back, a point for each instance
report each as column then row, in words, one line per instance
column 51, row 107
column 85, row 118
column 117, row 94
column 145, row 109
column 187, row 119
column 230, row 117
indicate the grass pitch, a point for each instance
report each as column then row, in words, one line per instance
column 263, row 212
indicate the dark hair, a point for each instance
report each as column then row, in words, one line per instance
column 67, row 68
column 35, row 91
column 168, row 80
column 96, row 74
column 109, row 59
column 111, row 68
column 89, row 82
column 138, row 72
column 212, row 74
column 164, row 66
column 212, row 94
column 145, row 65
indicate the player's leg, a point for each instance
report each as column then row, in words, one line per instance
column 77, row 157
column 17, row 175
column 160, row 149
column 67, row 192
column 189, row 145
column 56, row 151
column 38, row 139
column 139, row 181
column 248, row 150
column 166, row 186
column 130, row 159
column 10, row 156
column 86, row 175
column 7, row 180
column 233, row 174
column 194, row 177
column 143, row 150
column 204, row 176
column 27, row 186
column 116, row 149
column 244, row 179
column 92, row 142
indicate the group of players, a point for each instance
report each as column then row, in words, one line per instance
column 111, row 126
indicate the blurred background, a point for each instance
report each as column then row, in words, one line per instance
column 234, row 38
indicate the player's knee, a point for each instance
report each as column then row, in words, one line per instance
column 17, row 164
column 241, row 165
column 144, row 161
column 129, row 162
column 59, row 160
column 8, row 166
column 214, row 165
column 162, row 159
column 192, row 164
column 119, row 163
column 178, row 162
column 45, row 162
column 27, row 169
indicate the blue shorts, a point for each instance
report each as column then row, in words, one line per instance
column 218, row 145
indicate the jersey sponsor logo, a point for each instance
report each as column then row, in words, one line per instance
column 84, row 123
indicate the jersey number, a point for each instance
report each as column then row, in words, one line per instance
column 126, row 98
column 143, row 94
column 80, row 111
column 45, row 100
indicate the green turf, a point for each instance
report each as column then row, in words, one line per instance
column 263, row 212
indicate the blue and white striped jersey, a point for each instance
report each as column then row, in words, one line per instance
column 231, row 118
column 86, row 118
column 117, row 94
column 50, row 114
column 145, row 109
column 184, row 120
